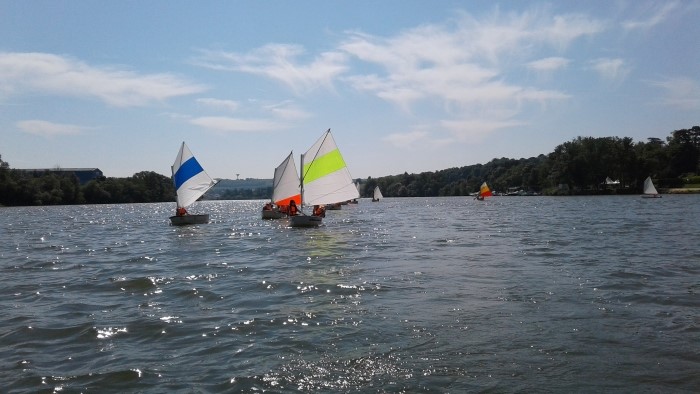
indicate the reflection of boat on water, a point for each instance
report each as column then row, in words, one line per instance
column 285, row 188
column 484, row 192
column 377, row 194
column 191, row 182
column 324, row 178
column 649, row 189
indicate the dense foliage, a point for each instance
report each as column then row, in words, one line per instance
column 580, row 166
column 48, row 188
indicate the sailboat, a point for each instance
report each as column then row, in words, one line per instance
column 484, row 191
column 285, row 188
column 649, row 189
column 377, row 195
column 324, row 179
column 191, row 182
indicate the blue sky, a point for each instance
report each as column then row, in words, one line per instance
column 405, row 86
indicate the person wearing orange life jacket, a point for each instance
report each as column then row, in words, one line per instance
column 292, row 208
column 319, row 210
column 180, row 211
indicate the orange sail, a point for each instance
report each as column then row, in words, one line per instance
column 484, row 191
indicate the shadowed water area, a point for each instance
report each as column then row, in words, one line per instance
column 514, row 294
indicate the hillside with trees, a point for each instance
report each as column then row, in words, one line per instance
column 580, row 166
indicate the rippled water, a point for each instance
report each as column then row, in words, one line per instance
column 515, row 294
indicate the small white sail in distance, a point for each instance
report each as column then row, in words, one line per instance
column 191, row 181
column 377, row 195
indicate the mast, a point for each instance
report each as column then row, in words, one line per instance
column 301, row 181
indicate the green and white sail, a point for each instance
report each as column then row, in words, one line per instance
column 325, row 177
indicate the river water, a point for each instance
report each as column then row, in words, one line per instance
column 449, row 295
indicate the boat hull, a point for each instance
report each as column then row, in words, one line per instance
column 652, row 196
column 272, row 214
column 189, row 219
column 305, row 221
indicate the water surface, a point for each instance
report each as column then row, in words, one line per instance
column 515, row 294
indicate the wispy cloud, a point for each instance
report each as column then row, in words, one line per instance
column 458, row 68
column 63, row 76
column 235, row 125
column 287, row 111
column 228, row 105
column 50, row 129
column 280, row 62
column 406, row 140
column 680, row 92
column 611, row 69
column 548, row 64
column 653, row 15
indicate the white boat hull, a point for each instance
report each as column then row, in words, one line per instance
column 189, row 219
column 305, row 221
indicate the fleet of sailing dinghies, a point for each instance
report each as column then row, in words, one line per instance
column 191, row 182
column 324, row 179
column 377, row 194
column 649, row 189
column 285, row 189
column 484, row 191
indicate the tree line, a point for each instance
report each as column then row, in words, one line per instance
column 580, row 166
column 50, row 188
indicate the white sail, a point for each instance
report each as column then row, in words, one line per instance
column 285, row 186
column 191, row 181
column 325, row 176
column 377, row 194
column 649, row 187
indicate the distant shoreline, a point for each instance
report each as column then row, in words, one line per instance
column 684, row 190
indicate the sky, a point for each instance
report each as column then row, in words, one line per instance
column 404, row 85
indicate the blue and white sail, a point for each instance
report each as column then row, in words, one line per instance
column 191, row 181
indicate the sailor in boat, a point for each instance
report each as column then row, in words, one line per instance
column 267, row 207
column 319, row 210
column 293, row 208
column 180, row 212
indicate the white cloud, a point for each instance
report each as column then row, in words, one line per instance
column 49, row 129
column 476, row 129
column 288, row 111
column 680, row 92
column 406, row 140
column 63, row 76
column 280, row 62
column 234, row 125
column 548, row 64
column 228, row 105
column 656, row 13
column 612, row 69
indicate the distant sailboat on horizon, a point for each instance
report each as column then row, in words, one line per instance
column 484, row 191
column 649, row 189
column 377, row 194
